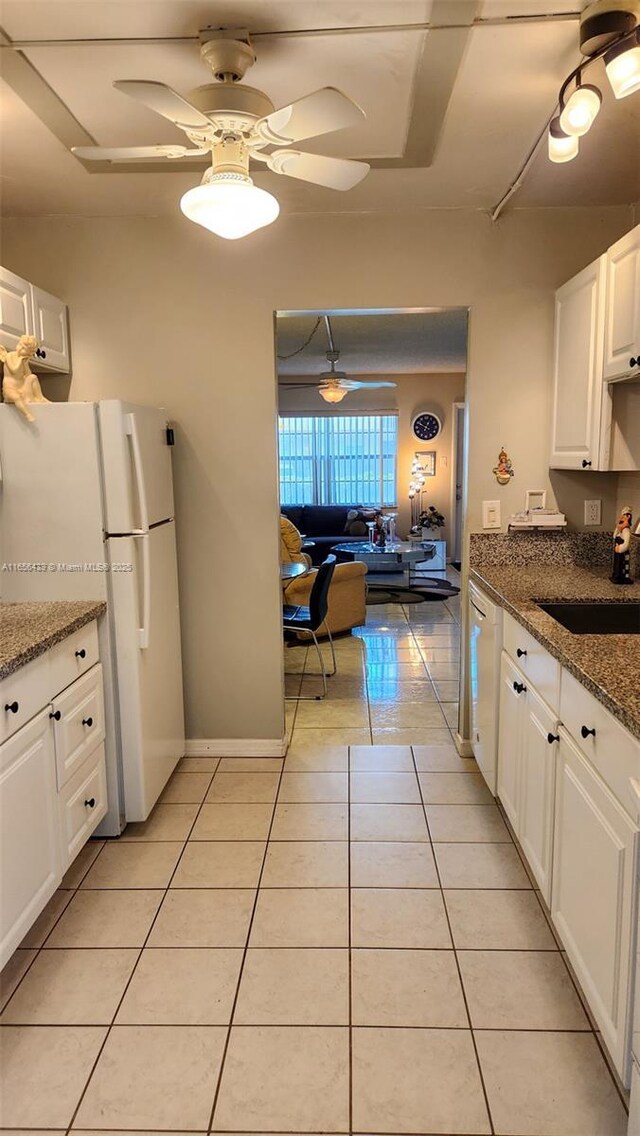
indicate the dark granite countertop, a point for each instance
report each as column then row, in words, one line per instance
column 29, row 629
column 607, row 665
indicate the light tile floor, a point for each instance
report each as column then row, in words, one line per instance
column 344, row 942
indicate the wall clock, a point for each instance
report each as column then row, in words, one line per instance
column 426, row 426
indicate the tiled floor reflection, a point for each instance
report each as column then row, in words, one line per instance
column 346, row 941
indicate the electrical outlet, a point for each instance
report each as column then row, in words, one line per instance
column 593, row 512
column 491, row 515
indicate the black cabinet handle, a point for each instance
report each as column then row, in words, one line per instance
column 56, row 714
column 585, row 732
column 44, row 354
column 12, row 707
column 91, row 803
column 520, row 653
column 585, row 463
column 519, row 687
column 634, row 362
column 551, row 738
column 81, row 653
column 87, row 721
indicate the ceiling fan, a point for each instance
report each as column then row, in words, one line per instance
column 334, row 385
column 234, row 124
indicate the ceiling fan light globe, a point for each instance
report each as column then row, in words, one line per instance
column 623, row 68
column 580, row 110
column 332, row 394
column 230, row 206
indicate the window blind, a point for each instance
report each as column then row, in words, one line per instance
column 338, row 460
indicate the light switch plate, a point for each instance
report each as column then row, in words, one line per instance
column 593, row 512
column 491, row 515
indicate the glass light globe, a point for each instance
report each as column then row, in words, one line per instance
column 332, row 394
column 623, row 68
column 580, row 110
column 562, row 147
column 229, row 205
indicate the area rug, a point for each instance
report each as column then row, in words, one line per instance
column 425, row 592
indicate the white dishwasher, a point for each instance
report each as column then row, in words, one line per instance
column 485, row 627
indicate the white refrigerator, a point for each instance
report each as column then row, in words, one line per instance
column 87, row 497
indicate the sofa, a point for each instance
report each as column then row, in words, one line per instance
column 325, row 525
column 347, row 597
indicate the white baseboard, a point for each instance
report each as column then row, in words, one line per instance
column 235, row 747
column 463, row 746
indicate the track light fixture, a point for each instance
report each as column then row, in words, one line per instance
column 609, row 31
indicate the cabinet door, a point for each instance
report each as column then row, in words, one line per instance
column 537, row 787
column 15, row 309
column 512, row 709
column 622, row 308
column 592, row 894
column 581, row 405
column 30, row 861
column 50, row 328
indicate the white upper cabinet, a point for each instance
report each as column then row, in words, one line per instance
column 27, row 310
column 50, row 328
column 15, row 308
column 579, row 399
column 622, row 312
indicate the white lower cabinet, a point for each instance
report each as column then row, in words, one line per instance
column 564, row 768
column 537, row 788
column 592, row 896
column 510, row 738
column 52, row 776
column 30, row 862
column 526, row 768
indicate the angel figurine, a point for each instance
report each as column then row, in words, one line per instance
column 621, row 541
column 19, row 384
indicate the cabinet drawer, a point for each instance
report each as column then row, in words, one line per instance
column 71, row 658
column 82, row 805
column 23, row 695
column 612, row 750
column 78, row 721
column 542, row 670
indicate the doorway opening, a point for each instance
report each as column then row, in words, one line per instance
column 371, row 432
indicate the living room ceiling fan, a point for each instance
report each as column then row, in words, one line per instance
column 334, row 385
column 234, row 124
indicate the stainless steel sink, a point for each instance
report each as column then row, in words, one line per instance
column 612, row 617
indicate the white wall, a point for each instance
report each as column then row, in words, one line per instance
column 162, row 312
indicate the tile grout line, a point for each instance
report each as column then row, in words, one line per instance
column 140, row 952
column 227, row 1042
column 455, row 952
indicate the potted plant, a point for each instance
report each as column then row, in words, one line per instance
column 430, row 520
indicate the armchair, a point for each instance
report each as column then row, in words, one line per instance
column 347, row 596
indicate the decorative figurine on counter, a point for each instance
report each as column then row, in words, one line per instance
column 504, row 470
column 621, row 544
column 19, row 384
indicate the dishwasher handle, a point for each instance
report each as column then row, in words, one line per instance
column 477, row 609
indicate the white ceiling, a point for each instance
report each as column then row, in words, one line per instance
column 504, row 91
column 376, row 343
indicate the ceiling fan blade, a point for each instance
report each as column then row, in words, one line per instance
column 318, row 113
column 353, row 384
column 131, row 153
column 165, row 101
column 335, row 173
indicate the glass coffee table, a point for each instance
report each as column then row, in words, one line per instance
column 398, row 560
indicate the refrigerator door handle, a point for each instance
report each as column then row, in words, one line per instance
column 132, row 430
column 143, row 632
